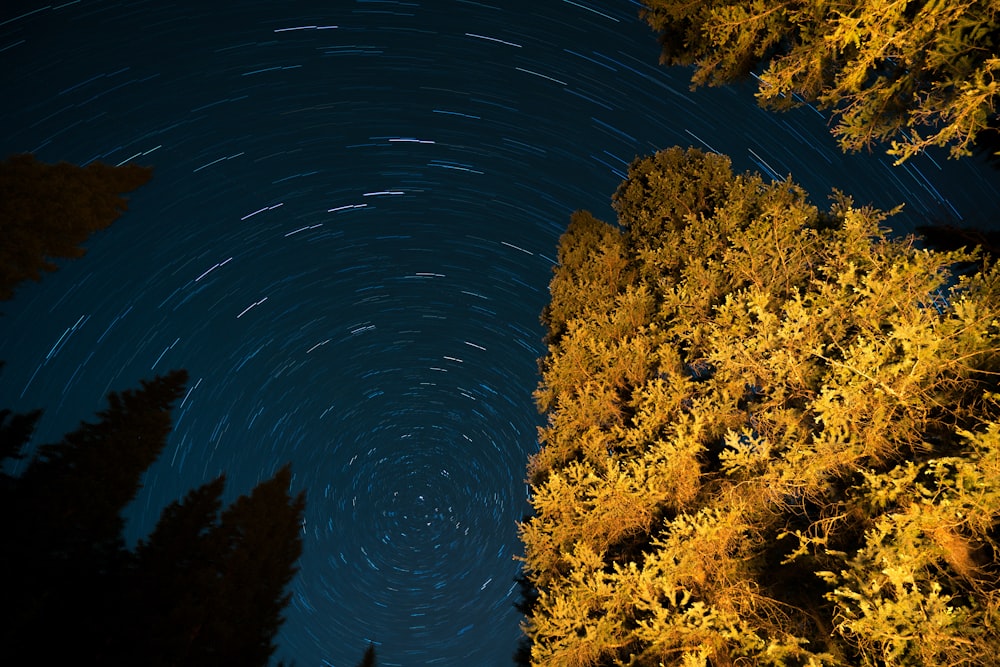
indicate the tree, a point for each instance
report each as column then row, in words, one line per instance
column 369, row 658
column 774, row 441
column 210, row 591
column 525, row 604
column 47, row 211
column 914, row 74
column 15, row 432
column 64, row 553
column 201, row 590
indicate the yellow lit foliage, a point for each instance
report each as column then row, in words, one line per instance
column 914, row 73
column 771, row 439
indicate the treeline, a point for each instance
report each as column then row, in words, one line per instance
column 208, row 585
column 201, row 589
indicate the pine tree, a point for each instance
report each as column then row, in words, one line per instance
column 369, row 658
column 261, row 538
column 15, row 433
column 172, row 582
column 47, row 211
column 776, row 441
column 202, row 589
column 205, row 590
column 914, row 74
column 63, row 518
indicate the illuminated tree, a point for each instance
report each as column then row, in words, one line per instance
column 775, row 440
column 915, row 74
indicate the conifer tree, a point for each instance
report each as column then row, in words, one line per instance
column 15, row 432
column 913, row 74
column 209, row 590
column 173, row 580
column 48, row 210
column 773, row 440
column 202, row 589
column 63, row 516
column 369, row 658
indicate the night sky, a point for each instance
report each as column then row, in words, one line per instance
column 347, row 242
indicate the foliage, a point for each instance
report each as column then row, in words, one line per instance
column 47, row 211
column 913, row 73
column 772, row 435
column 200, row 590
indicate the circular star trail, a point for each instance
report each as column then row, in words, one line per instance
column 347, row 242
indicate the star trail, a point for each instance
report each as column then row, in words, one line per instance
column 347, row 242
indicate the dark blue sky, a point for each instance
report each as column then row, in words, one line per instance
column 347, row 242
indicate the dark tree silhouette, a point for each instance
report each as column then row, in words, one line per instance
column 65, row 554
column 15, row 431
column 209, row 591
column 47, row 211
column 369, row 658
column 201, row 589
column 171, row 586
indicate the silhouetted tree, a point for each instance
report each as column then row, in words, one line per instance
column 15, row 432
column 175, row 576
column 369, row 658
column 47, row 211
column 208, row 590
column 202, row 589
column 63, row 517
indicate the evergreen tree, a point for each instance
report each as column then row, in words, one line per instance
column 772, row 439
column 47, row 211
column 65, row 554
column 210, row 591
column 173, row 581
column 261, row 535
column 15, row 432
column 369, row 658
column 915, row 74
column 202, row 589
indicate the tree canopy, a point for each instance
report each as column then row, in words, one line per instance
column 48, row 210
column 913, row 74
column 772, row 435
